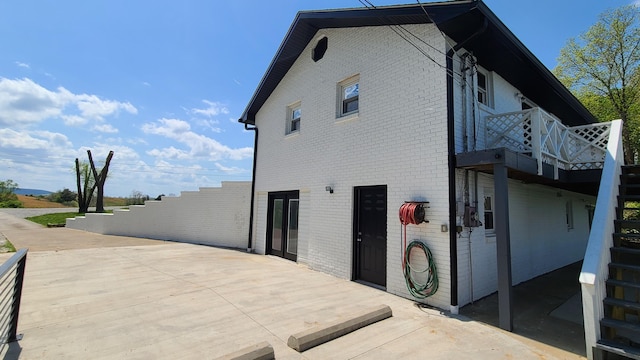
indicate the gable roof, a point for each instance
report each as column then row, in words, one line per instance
column 494, row 45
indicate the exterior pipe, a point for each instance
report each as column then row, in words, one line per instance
column 253, row 183
column 451, row 149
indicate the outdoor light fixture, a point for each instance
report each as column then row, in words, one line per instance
column 329, row 189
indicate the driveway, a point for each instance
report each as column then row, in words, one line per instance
column 109, row 297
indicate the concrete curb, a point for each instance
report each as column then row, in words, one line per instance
column 260, row 351
column 320, row 334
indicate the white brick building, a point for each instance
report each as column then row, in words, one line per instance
column 434, row 103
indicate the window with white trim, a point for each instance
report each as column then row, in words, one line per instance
column 294, row 113
column 489, row 215
column 349, row 96
column 484, row 88
column 569, row 214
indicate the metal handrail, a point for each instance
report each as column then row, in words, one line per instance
column 13, row 268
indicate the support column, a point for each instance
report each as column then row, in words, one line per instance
column 503, row 246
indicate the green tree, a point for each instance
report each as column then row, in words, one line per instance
column 63, row 196
column 601, row 67
column 86, row 185
column 8, row 198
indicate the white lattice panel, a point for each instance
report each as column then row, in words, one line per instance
column 511, row 131
column 569, row 148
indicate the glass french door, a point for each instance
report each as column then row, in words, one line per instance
column 282, row 225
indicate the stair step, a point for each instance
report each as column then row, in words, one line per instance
column 629, row 197
column 626, row 250
column 630, row 186
column 621, row 325
column 618, row 349
column 630, row 305
column 628, row 169
column 628, row 224
column 625, row 266
column 620, row 283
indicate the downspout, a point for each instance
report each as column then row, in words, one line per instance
column 253, row 184
column 451, row 149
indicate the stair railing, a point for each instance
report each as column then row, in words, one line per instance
column 597, row 256
column 548, row 140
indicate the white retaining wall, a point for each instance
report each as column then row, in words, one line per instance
column 212, row 216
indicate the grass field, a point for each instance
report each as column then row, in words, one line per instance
column 32, row 202
column 55, row 219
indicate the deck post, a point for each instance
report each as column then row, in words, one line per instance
column 503, row 246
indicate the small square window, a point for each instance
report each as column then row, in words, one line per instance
column 349, row 96
column 294, row 113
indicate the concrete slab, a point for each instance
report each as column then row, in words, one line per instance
column 184, row 301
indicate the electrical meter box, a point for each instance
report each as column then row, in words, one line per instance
column 471, row 217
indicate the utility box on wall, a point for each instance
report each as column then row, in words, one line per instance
column 471, row 217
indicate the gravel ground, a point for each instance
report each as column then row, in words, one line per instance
column 25, row 213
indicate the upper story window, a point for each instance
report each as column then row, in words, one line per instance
column 294, row 113
column 484, row 88
column 349, row 95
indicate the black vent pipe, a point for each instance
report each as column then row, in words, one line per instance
column 253, row 183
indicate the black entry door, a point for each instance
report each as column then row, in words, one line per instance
column 282, row 224
column 370, row 234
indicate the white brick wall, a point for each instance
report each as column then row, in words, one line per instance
column 399, row 139
column 211, row 216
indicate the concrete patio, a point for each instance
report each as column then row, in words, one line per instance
column 105, row 297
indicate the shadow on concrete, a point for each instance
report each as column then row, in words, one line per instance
column 13, row 351
column 547, row 309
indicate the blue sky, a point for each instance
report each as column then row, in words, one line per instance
column 162, row 83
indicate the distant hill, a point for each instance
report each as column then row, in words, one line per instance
column 34, row 192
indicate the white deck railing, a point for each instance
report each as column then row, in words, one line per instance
column 595, row 268
column 547, row 140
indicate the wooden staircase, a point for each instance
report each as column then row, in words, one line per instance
column 620, row 327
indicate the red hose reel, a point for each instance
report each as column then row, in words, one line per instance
column 412, row 212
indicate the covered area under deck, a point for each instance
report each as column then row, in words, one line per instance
column 523, row 167
column 504, row 164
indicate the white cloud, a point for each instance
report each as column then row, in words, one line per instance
column 105, row 128
column 74, row 120
column 23, row 65
column 200, row 146
column 20, row 140
column 169, row 153
column 209, row 124
column 93, row 107
column 230, row 170
column 24, row 102
column 213, row 109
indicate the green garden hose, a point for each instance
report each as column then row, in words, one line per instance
column 417, row 289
